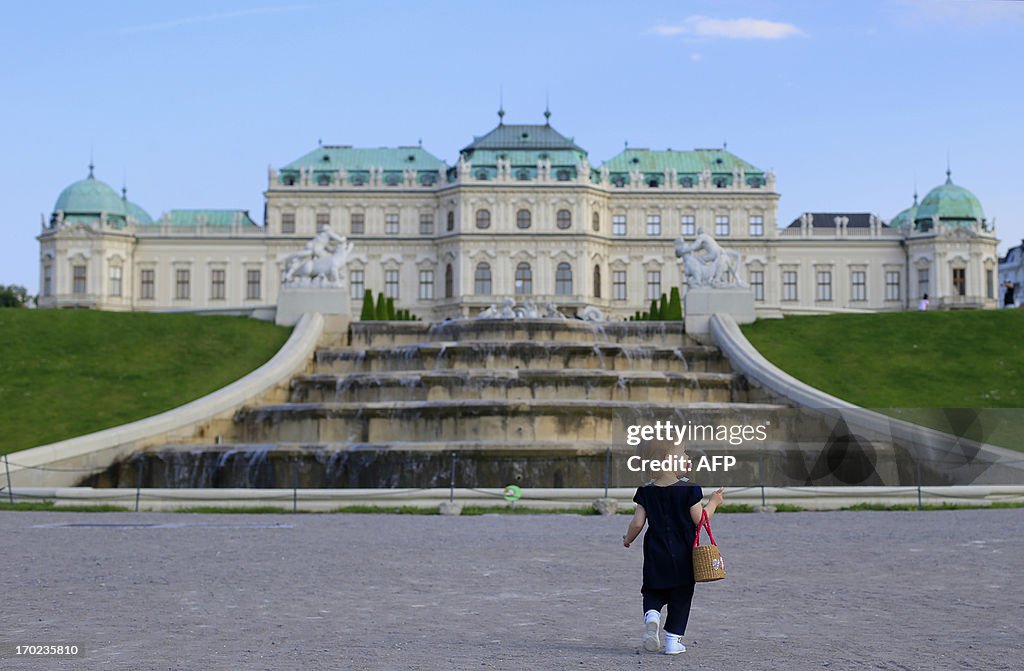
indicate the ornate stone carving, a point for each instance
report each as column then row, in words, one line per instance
column 708, row 264
column 320, row 263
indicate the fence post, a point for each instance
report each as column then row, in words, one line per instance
column 451, row 482
column 10, row 492
column 295, row 486
column 607, row 469
column 917, row 468
column 138, row 482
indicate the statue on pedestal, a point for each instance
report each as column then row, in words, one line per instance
column 319, row 263
column 707, row 264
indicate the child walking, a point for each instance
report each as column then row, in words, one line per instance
column 671, row 508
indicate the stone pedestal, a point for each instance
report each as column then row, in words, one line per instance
column 292, row 302
column 701, row 303
column 450, row 508
column 606, row 506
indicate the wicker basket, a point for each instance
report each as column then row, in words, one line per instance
column 708, row 564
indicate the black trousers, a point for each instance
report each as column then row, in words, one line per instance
column 678, row 600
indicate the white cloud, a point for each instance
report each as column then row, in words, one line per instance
column 209, row 18
column 734, row 29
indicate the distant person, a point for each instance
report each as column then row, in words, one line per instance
column 923, row 305
column 1008, row 301
column 671, row 508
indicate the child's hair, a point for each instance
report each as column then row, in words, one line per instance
column 658, row 450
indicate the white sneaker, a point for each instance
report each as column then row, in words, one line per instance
column 651, row 625
column 674, row 644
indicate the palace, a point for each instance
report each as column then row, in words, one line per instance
column 524, row 213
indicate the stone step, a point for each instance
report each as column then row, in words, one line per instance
column 363, row 335
column 522, row 384
column 523, row 355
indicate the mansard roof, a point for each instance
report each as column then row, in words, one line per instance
column 526, row 137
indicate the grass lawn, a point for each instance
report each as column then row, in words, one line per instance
column 64, row 373
column 908, row 364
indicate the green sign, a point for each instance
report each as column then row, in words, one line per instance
column 512, row 493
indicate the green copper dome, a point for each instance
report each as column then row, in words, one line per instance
column 89, row 196
column 950, row 202
column 139, row 214
column 905, row 219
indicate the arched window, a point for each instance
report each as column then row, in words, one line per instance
column 595, row 222
column 563, row 219
column 449, row 281
column 323, row 180
column 451, row 220
column 524, row 279
column 563, row 279
column 483, row 218
column 523, row 219
column 597, row 281
column 482, row 279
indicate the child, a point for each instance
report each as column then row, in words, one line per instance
column 671, row 507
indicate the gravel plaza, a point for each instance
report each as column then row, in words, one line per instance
column 824, row 590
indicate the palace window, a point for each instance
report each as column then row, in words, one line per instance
column 483, row 218
column 619, row 285
column 757, row 284
column 619, row 224
column 595, row 222
column 182, row 284
column 654, row 224
column 563, row 219
column 427, row 223
column 653, row 284
column 356, row 283
column 47, row 280
column 563, row 279
column 922, row 282
column 449, row 281
column 721, row 225
column 687, row 225
column 959, row 282
column 990, row 287
column 218, row 283
column 78, row 280
column 524, row 279
column 523, row 218
column 391, row 225
column 426, row 285
column 252, row 285
column 323, row 180
column 597, row 281
column 858, row 285
column 482, row 280
column 789, row 287
column 892, row 285
column 147, row 285
column 391, row 284
column 287, row 222
column 115, row 281
column 756, row 225
column 323, row 220
column 357, row 223
column 824, row 285
column 563, row 175
column 451, row 220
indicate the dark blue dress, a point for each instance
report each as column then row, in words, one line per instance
column 668, row 543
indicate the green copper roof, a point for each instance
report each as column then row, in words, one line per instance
column 524, row 137
column 136, row 211
column 689, row 162
column 950, row 202
column 391, row 159
column 905, row 218
column 206, row 218
column 89, row 196
column 558, row 157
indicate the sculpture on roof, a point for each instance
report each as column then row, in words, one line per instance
column 319, row 263
column 707, row 264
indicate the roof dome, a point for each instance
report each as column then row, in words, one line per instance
column 905, row 219
column 89, row 196
column 140, row 215
column 950, row 202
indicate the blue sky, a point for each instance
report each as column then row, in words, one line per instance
column 849, row 102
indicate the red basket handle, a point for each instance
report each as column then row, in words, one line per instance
column 705, row 523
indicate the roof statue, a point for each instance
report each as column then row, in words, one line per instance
column 707, row 264
column 319, row 263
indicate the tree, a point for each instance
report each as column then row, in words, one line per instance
column 390, row 309
column 663, row 307
column 382, row 307
column 13, row 296
column 675, row 306
column 655, row 311
column 368, row 314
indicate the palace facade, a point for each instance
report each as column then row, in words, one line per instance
column 522, row 213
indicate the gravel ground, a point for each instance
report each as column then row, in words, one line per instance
column 838, row 590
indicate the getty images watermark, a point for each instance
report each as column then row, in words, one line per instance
column 663, row 443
